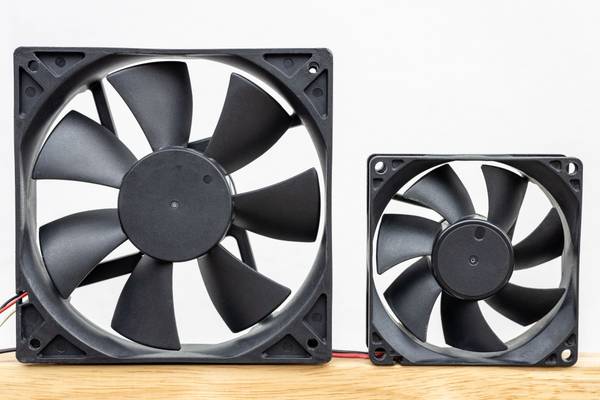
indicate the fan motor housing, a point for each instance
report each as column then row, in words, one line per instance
column 175, row 204
column 482, row 264
column 463, row 250
column 49, row 329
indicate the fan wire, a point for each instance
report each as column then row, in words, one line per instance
column 12, row 301
column 351, row 354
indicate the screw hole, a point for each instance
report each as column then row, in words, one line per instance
column 312, row 343
column 313, row 68
column 572, row 168
column 35, row 343
column 30, row 91
column 566, row 355
column 33, row 66
column 380, row 167
column 379, row 353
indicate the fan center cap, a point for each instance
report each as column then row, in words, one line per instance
column 175, row 204
column 472, row 259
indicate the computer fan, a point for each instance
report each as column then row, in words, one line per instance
column 468, row 258
column 175, row 204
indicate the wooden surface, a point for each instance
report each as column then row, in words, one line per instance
column 340, row 379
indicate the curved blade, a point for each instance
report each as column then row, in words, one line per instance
column 288, row 210
column 442, row 191
column 465, row 328
column 241, row 295
column 72, row 246
column 145, row 312
column 402, row 237
column 79, row 149
column 506, row 191
column 545, row 243
column 112, row 269
column 251, row 122
column 525, row 305
column 412, row 296
column 159, row 95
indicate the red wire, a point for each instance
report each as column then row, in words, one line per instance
column 14, row 301
column 350, row 355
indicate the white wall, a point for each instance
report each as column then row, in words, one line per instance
column 437, row 77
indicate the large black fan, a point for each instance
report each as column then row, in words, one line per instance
column 466, row 258
column 175, row 204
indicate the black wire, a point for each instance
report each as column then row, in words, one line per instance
column 8, row 350
column 9, row 300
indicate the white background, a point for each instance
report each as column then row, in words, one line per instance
column 409, row 77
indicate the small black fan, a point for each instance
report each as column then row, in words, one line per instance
column 466, row 258
column 177, row 204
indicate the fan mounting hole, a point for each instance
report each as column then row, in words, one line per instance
column 572, row 168
column 35, row 343
column 380, row 167
column 33, row 66
column 379, row 353
column 312, row 343
column 566, row 355
column 313, row 68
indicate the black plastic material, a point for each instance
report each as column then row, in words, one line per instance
column 241, row 295
column 73, row 245
column 251, row 122
column 549, row 232
column 465, row 241
column 145, row 312
column 403, row 237
column 261, row 211
column 472, row 259
column 175, row 204
column 95, row 154
column 442, row 191
column 159, row 95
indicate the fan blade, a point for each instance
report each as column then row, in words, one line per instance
column 402, row 237
column 525, row 305
column 72, row 246
column 145, row 312
column 545, row 243
column 199, row 145
column 251, row 122
column 506, row 191
column 241, row 295
column 112, row 269
column 412, row 296
column 287, row 210
column 442, row 191
column 159, row 95
column 465, row 327
column 79, row 149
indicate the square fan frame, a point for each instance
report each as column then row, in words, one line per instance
column 50, row 330
column 389, row 343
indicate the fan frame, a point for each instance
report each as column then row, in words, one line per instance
column 390, row 343
column 49, row 329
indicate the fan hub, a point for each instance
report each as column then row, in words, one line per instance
column 472, row 259
column 175, row 204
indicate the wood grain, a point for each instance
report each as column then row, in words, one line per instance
column 340, row 379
